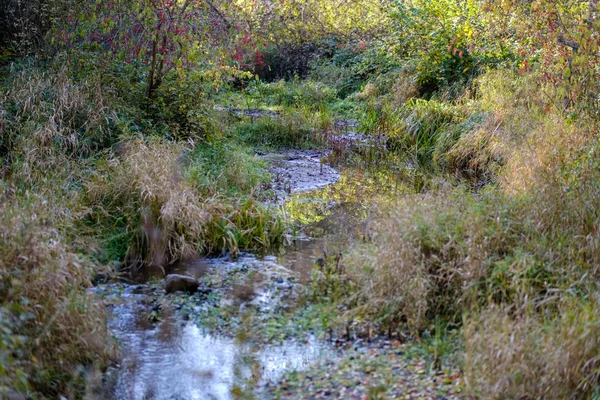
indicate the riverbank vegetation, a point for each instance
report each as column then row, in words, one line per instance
column 130, row 134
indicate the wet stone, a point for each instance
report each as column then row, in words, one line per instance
column 181, row 283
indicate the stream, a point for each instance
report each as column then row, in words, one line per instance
column 169, row 352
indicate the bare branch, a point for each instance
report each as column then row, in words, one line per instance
column 570, row 43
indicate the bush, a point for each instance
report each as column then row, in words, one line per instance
column 182, row 104
column 284, row 62
column 23, row 24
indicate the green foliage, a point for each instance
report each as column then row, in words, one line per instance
column 423, row 130
column 559, row 42
column 440, row 38
column 291, row 130
column 346, row 66
column 225, row 167
column 170, row 212
column 182, row 104
column 296, row 22
column 294, row 93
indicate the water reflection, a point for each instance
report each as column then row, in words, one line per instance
column 174, row 359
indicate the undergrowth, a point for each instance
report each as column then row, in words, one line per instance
column 513, row 262
column 168, row 217
column 53, row 329
column 495, row 236
column 86, row 189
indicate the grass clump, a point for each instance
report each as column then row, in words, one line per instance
column 425, row 126
column 430, row 255
column 226, row 167
column 54, row 330
column 421, row 130
column 168, row 217
column 292, row 130
column 47, row 114
column 519, row 355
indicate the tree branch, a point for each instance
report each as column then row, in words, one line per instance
column 219, row 13
column 572, row 44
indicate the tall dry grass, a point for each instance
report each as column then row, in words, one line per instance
column 512, row 355
column 515, row 262
column 53, row 331
column 47, row 114
column 57, row 329
column 170, row 218
column 431, row 255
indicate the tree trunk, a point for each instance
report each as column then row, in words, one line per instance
column 151, row 87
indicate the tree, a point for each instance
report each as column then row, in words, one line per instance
column 158, row 34
column 561, row 40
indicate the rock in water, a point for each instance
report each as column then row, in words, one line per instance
column 181, row 283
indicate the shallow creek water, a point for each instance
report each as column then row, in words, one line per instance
column 165, row 355
column 176, row 359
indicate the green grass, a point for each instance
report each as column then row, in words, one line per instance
column 226, row 167
column 291, row 130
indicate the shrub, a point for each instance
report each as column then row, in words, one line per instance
column 182, row 104
column 284, row 62
column 339, row 77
